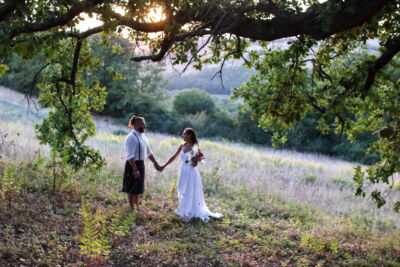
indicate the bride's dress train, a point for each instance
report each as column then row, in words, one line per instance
column 190, row 192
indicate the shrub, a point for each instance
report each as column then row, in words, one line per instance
column 342, row 182
column 309, row 178
column 191, row 101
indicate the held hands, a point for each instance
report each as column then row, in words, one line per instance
column 163, row 167
column 158, row 167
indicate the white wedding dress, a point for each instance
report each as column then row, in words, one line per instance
column 190, row 192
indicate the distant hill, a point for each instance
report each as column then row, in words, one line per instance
column 209, row 79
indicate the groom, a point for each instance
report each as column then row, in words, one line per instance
column 136, row 149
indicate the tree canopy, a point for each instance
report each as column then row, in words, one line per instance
column 325, row 69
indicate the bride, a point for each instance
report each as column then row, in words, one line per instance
column 190, row 188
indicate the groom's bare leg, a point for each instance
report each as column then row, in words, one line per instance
column 130, row 199
column 133, row 200
column 136, row 200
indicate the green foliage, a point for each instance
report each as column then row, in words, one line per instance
column 309, row 178
column 69, row 124
column 132, row 88
column 319, row 245
column 342, row 182
column 284, row 91
column 94, row 238
column 304, row 136
column 59, row 173
column 122, row 226
column 249, row 130
column 191, row 101
column 119, row 132
column 324, row 69
column 3, row 69
column 10, row 185
column 23, row 75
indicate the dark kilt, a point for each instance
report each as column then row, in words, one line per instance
column 132, row 185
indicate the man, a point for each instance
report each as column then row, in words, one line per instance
column 136, row 149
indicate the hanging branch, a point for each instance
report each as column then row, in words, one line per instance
column 74, row 67
column 392, row 48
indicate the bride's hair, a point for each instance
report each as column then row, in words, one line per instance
column 193, row 136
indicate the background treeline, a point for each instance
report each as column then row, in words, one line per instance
column 142, row 89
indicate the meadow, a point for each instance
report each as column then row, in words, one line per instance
column 281, row 208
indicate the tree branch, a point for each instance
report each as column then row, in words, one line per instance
column 319, row 21
column 348, row 14
column 179, row 19
column 392, row 48
column 165, row 46
column 74, row 68
column 87, row 33
column 167, row 43
column 56, row 20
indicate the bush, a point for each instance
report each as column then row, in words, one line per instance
column 309, row 178
column 342, row 182
column 191, row 101
column 167, row 122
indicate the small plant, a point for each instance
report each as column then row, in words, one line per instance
column 58, row 171
column 94, row 238
column 309, row 178
column 6, row 144
column 9, row 185
column 122, row 226
column 318, row 245
column 342, row 182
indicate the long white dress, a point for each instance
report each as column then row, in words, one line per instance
column 190, row 192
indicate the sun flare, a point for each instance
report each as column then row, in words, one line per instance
column 155, row 14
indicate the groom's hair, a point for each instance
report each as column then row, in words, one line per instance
column 133, row 119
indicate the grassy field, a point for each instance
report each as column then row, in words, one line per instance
column 280, row 208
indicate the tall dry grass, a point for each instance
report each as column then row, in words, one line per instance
column 318, row 181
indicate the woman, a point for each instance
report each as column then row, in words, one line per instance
column 190, row 188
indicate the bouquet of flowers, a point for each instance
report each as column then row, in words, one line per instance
column 197, row 156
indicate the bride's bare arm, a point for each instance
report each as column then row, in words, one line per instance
column 173, row 157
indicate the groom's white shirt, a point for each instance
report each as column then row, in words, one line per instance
column 132, row 146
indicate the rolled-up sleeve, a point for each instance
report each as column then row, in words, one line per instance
column 130, row 148
column 148, row 149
